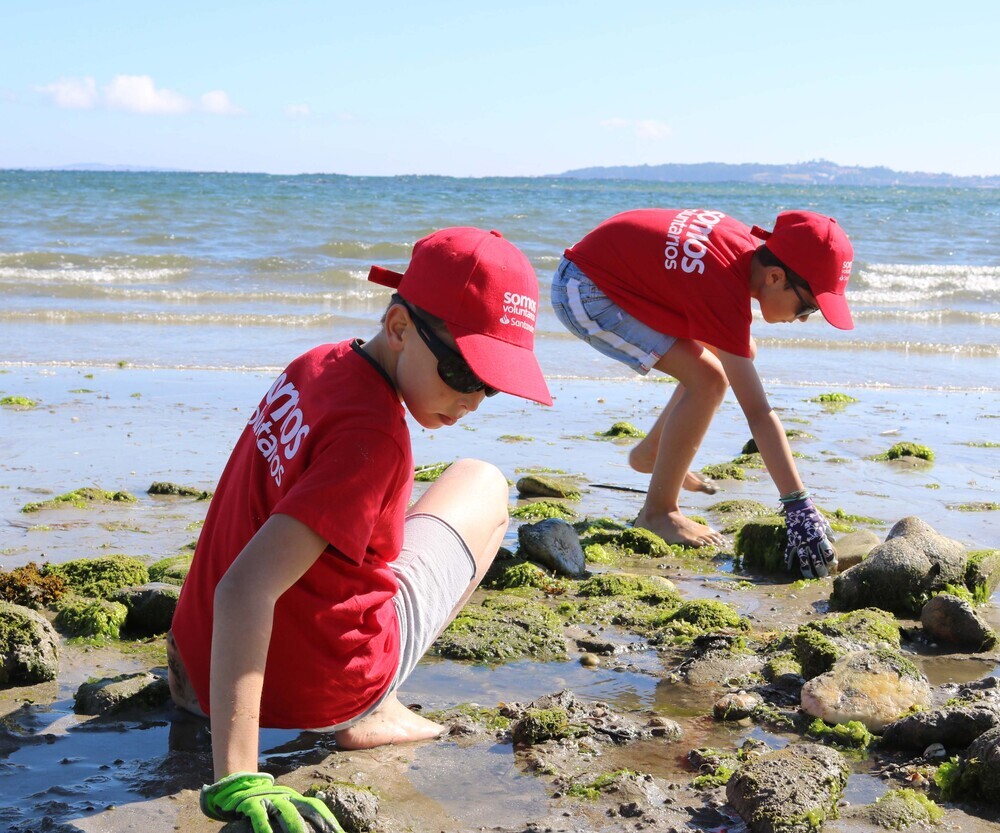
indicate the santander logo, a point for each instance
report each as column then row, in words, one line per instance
column 519, row 311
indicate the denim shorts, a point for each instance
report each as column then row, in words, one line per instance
column 590, row 315
column 434, row 570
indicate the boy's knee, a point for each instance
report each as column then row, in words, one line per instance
column 712, row 381
column 482, row 479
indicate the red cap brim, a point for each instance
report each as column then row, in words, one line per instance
column 386, row 277
column 502, row 365
column 835, row 310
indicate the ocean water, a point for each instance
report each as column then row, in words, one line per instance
column 177, row 270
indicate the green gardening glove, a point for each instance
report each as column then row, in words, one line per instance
column 255, row 796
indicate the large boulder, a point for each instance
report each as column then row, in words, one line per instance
column 150, row 607
column 126, row 692
column 874, row 688
column 902, row 573
column 792, row 790
column 29, row 647
column 818, row 645
column 980, row 776
column 967, row 711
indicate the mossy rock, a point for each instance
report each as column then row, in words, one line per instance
column 166, row 488
column 900, row 809
column 18, row 402
column 503, row 629
column 724, row 471
column 982, row 574
column 818, row 645
column 528, row 574
column 30, row 586
column 653, row 590
column 534, row 485
column 80, row 616
column 783, row 665
column 632, row 541
column 906, row 449
column 80, row 499
column 707, row 616
column 141, row 691
column 172, row 570
column 29, row 647
column 735, row 513
column 102, row 576
column 760, row 545
column 542, row 509
column 622, row 429
column 540, row 725
column 833, row 399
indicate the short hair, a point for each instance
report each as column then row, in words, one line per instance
column 767, row 258
column 437, row 324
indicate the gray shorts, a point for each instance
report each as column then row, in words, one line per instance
column 592, row 316
column 434, row 570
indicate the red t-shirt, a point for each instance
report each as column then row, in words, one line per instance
column 685, row 273
column 328, row 445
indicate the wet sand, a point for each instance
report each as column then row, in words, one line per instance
column 123, row 428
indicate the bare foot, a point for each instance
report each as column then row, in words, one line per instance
column 391, row 722
column 642, row 458
column 676, row 528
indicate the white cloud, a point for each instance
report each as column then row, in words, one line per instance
column 646, row 129
column 72, row 93
column 217, row 102
column 298, row 111
column 138, row 94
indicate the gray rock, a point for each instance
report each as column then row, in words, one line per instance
column 874, row 688
column 533, row 485
column 29, row 647
column 949, row 619
column 853, row 547
column 356, row 809
column 900, row 574
column 150, row 607
column 736, row 705
column 969, row 711
column 138, row 692
column 980, row 776
column 553, row 543
column 792, row 790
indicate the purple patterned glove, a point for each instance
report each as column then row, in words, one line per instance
column 808, row 540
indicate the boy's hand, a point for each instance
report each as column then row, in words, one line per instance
column 268, row 807
column 809, row 536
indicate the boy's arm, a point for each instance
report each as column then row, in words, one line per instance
column 276, row 557
column 766, row 428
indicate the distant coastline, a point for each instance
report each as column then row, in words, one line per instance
column 815, row 172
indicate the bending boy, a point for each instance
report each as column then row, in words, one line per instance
column 671, row 290
column 314, row 591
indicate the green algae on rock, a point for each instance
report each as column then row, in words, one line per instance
column 166, row 488
column 851, row 735
column 541, row 509
column 172, row 570
column 982, row 574
column 724, row 471
column 528, row 574
column 540, row 725
column 975, row 506
column 29, row 647
column 653, row 590
column 760, row 545
column 503, row 629
column 622, row 429
column 631, row 541
column 30, row 586
column 818, row 645
column 591, row 790
column 536, row 485
column 833, row 399
column 735, row 513
column 900, row 809
column 18, row 402
column 430, row 472
column 706, row 616
column 80, row 616
column 100, row 577
column 906, row 449
column 80, row 499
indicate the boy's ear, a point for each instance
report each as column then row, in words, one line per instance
column 774, row 275
column 396, row 322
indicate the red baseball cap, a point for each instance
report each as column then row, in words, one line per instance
column 816, row 248
column 485, row 290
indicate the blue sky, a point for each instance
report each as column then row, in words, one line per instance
column 506, row 88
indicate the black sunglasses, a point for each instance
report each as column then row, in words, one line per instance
column 805, row 307
column 452, row 368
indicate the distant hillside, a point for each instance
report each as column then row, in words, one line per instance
column 816, row 172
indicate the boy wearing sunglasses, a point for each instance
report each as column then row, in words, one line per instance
column 671, row 290
column 314, row 589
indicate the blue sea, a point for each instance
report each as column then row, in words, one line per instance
column 213, row 270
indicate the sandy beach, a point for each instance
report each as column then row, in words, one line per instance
column 121, row 428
